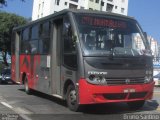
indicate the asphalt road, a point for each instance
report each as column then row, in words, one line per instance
column 15, row 103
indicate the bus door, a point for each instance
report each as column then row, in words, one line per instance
column 56, row 57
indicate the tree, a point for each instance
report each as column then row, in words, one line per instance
column 8, row 22
column 4, row 2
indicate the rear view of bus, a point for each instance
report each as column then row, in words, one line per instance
column 115, row 62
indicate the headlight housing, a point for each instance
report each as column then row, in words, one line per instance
column 97, row 79
column 149, row 76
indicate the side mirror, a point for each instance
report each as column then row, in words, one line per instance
column 74, row 38
column 148, row 41
column 145, row 35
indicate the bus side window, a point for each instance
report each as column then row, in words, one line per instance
column 69, row 45
column 34, row 39
column 25, row 45
column 128, row 41
column 44, row 41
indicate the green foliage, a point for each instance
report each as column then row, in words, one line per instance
column 4, row 2
column 8, row 22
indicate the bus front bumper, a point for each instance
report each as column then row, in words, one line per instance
column 95, row 94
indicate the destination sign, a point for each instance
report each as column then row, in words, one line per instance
column 102, row 22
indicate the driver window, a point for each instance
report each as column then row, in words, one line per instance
column 128, row 41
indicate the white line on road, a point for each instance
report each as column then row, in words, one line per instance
column 156, row 90
column 7, row 105
column 15, row 110
column 156, row 93
column 25, row 117
column 21, row 110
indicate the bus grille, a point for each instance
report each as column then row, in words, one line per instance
column 122, row 96
column 137, row 95
column 123, row 81
column 115, row 96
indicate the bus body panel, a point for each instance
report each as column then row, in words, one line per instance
column 124, row 84
column 15, row 59
column 94, row 94
column 37, row 70
column 28, row 67
column 43, row 74
column 13, row 68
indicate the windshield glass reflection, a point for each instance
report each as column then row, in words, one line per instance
column 104, row 36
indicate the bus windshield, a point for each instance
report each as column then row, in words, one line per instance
column 102, row 36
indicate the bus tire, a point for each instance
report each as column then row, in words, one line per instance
column 71, row 98
column 26, row 86
column 136, row 104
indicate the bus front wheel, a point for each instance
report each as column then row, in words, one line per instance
column 72, row 98
column 26, row 86
column 136, row 104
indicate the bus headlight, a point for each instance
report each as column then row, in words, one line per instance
column 97, row 79
column 148, row 77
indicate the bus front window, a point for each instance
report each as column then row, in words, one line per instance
column 102, row 35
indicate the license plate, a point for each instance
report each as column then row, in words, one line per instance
column 129, row 90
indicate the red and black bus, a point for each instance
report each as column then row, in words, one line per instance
column 84, row 57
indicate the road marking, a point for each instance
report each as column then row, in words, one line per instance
column 20, row 112
column 156, row 91
column 7, row 105
column 25, row 117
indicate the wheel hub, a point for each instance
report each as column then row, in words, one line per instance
column 72, row 97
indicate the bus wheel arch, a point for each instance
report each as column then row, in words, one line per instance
column 71, row 96
column 66, row 85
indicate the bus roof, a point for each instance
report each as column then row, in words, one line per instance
column 74, row 11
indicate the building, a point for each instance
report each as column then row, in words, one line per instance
column 154, row 49
column 155, row 52
column 115, row 6
column 139, row 43
column 43, row 8
column 154, row 46
column 152, row 42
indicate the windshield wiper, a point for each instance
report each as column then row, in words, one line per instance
column 123, row 51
